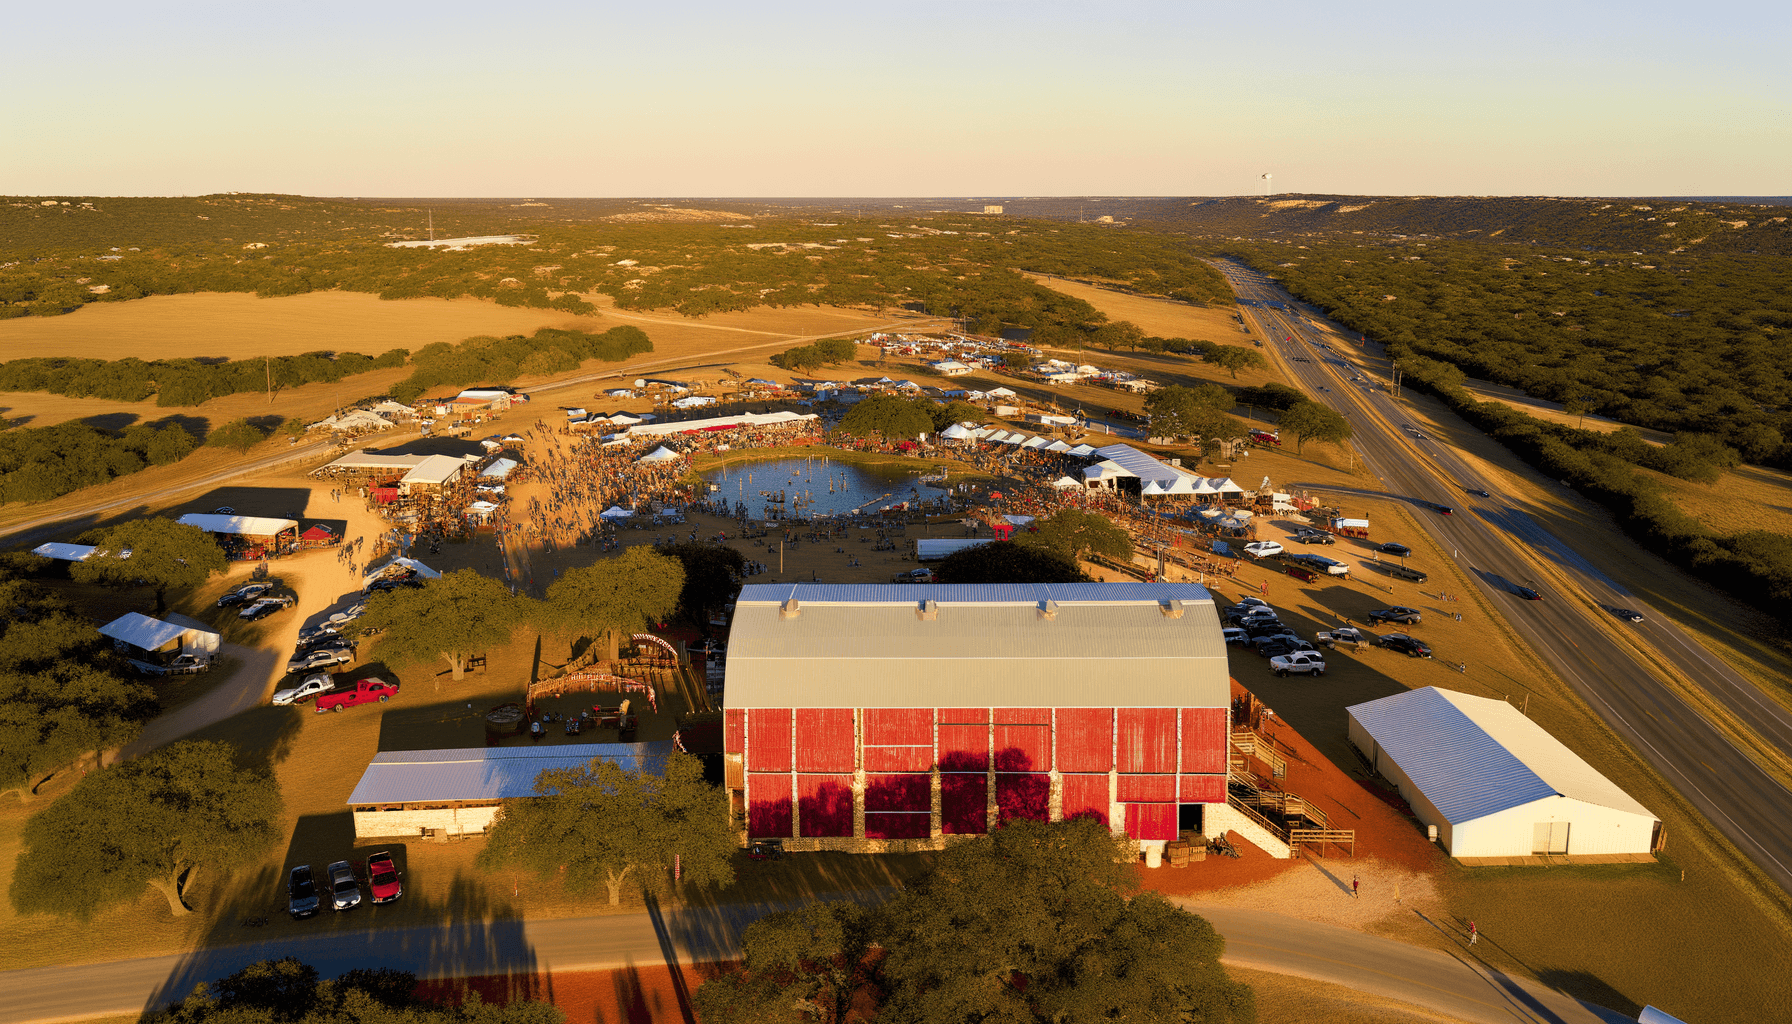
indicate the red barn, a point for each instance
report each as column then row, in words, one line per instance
column 890, row 717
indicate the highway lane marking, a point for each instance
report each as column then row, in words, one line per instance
column 1360, row 969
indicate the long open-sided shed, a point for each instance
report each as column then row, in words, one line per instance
column 1494, row 782
column 878, row 717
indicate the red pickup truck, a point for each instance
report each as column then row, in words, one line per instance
column 364, row 692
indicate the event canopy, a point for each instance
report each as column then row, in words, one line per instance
column 693, row 402
column 1035, row 442
column 400, row 562
column 318, row 532
column 1058, row 446
column 1081, row 450
column 660, row 454
column 748, row 419
column 616, row 512
column 1065, row 483
column 480, row 508
column 65, row 552
column 499, row 469
column 956, row 432
column 246, row 526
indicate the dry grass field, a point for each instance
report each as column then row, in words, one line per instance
column 1745, row 498
column 1160, row 318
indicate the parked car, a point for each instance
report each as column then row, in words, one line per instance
column 311, row 635
column 1263, row 548
column 1266, row 629
column 1398, row 613
column 244, row 594
column 1315, row 537
column 301, row 892
column 1528, row 594
column 306, row 661
column 311, row 686
column 1234, row 636
column 264, row 607
column 224, row 510
column 1401, row 571
column 914, row 576
column 382, row 878
column 345, row 891
column 1309, row 663
column 1391, row 548
column 1278, row 646
column 365, row 691
column 1350, row 635
column 1412, row 647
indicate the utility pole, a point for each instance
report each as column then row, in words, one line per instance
column 267, row 365
column 1397, row 376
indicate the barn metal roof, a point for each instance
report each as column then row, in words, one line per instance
column 1473, row 756
column 488, row 773
column 153, row 634
column 946, row 645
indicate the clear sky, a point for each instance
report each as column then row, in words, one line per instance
column 860, row 98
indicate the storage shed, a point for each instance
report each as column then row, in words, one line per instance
column 872, row 718
column 155, row 645
column 1494, row 782
column 453, row 792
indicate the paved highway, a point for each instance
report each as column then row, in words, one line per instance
column 1456, row 984
column 1502, row 547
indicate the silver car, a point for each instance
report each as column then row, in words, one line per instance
column 322, row 658
column 345, row 891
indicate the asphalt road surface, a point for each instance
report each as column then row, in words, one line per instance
column 1491, row 537
column 1457, row 984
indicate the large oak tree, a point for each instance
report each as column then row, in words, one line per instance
column 164, row 554
column 451, row 618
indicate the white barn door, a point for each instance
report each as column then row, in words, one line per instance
column 1549, row 837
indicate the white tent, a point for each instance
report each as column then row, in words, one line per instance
column 391, row 408
column 247, row 526
column 956, row 432
column 1152, row 488
column 361, row 419
column 1082, row 450
column 1035, row 442
column 498, row 470
column 434, row 471
column 623, row 419
column 1065, row 483
column 1000, row 393
column 65, row 552
column 616, row 512
column 149, row 634
column 397, row 563
column 660, row 454
column 1014, row 438
column 693, row 402
column 481, row 508
column 1058, row 446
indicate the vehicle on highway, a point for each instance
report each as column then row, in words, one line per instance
column 1479, row 493
column 345, row 891
column 1527, row 593
column 1307, row 663
column 1390, row 548
column 1628, row 614
column 323, row 657
column 301, row 892
column 1397, row 613
column 1312, row 536
column 1281, row 645
column 309, row 687
column 264, row 607
column 382, row 878
column 1410, row 646
column 1263, row 548
column 914, row 576
column 244, row 594
column 365, row 691
column 1441, row 509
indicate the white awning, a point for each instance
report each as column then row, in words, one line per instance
column 65, row 552
column 480, row 508
column 499, row 469
column 401, row 563
column 244, row 526
column 660, row 454
column 616, row 512
column 1065, row 483
column 149, row 634
column 1058, row 446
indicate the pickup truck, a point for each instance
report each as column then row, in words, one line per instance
column 1347, row 635
column 364, row 692
column 1298, row 663
column 311, row 686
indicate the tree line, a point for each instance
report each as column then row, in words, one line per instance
column 490, row 360
column 184, row 382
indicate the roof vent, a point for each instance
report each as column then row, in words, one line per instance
column 1048, row 610
column 1171, row 608
column 928, row 610
column 790, row 609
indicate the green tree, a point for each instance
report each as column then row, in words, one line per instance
column 451, row 618
column 239, row 434
column 837, row 350
column 1177, row 411
column 799, row 966
column 889, row 416
column 1578, row 409
column 709, row 574
column 1117, row 335
column 1005, row 561
column 293, row 427
column 164, row 554
column 1016, row 360
column 602, row 824
column 287, row 991
column 955, row 412
column 1235, row 358
column 154, row 821
column 616, row 597
column 1072, row 534
column 1310, row 421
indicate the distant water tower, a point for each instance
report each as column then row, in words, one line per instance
column 1268, row 184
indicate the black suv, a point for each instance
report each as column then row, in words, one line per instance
column 1275, row 647
column 1410, row 646
column 1398, row 613
column 1315, row 537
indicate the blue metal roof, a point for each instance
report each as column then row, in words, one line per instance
column 488, row 773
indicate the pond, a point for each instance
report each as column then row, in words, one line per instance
column 815, row 486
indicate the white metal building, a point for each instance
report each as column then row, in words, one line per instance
column 453, row 792
column 1494, row 782
column 154, row 644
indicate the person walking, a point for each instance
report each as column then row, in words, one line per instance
column 1474, row 934
column 1354, row 894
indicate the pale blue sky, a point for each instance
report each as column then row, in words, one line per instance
column 843, row 98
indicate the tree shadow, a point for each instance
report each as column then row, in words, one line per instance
column 112, row 420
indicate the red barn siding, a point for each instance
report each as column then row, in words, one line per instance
column 734, row 730
column 1151, row 821
column 1023, row 795
column 1147, row 789
column 768, row 740
column 1147, row 739
column 1204, row 732
column 909, row 792
column 1086, row 795
column 825, row 802
column 1023, row 739
column 824, row 740
column 891, row 825
column 964, row 740
column 1085, row 739
column 898, row 739
column 768, row 806
column 1203, row 789
column 964, row 804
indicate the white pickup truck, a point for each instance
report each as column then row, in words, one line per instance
column 1298, row 663
column 1345, row 636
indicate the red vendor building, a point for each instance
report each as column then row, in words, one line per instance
column 874, row 718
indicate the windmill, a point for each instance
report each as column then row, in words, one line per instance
column 1268, row 184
